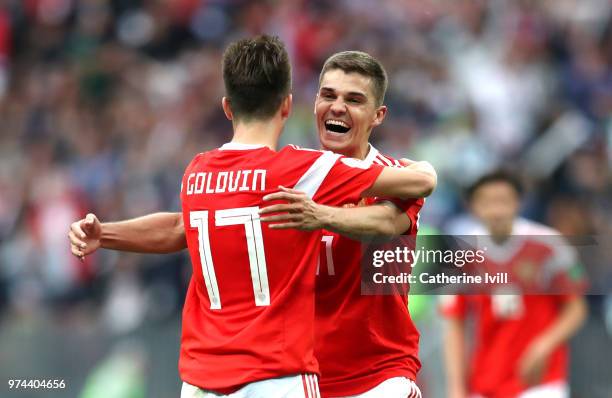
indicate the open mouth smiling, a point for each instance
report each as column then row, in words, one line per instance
column 337, row 126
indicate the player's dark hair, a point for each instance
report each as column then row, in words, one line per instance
column 499, row 175
column 362, row 63
column 257, row 77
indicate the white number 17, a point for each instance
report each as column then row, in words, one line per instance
column 249, row 217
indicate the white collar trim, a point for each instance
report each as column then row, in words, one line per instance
column 372, row 153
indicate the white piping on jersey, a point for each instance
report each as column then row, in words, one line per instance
column 372, row 154
column 312, row 179
column 239, row 147
column 384, row 160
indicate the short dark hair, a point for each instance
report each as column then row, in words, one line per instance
column 362, row 63
column 257, row 76
column 499, row 175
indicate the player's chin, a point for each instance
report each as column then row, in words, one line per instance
column 338, row 140
column 337, row 146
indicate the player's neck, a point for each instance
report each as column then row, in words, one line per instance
column 264, row 133
column 360, row 152
column 500, row 239
column 501, row 236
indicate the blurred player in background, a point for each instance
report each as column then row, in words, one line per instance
column 521, row 339
column 348, row 106
column 252, row 333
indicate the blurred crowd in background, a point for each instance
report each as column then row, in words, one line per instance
column 103, row 103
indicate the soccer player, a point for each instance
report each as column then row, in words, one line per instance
column 250, row 333
column 521, row 339
column 367, row 345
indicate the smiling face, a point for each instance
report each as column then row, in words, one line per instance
column 346, row 112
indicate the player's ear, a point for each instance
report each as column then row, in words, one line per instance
column 379, row 116
column 286, row 106
column 227, row 109
column 315, row 104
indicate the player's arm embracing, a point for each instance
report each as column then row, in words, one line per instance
column 344, row 181
column 301, row 212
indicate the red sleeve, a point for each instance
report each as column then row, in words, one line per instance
column 453, row 306
column 411, row 207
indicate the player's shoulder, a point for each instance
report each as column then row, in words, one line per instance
column 538, row 233
column 523, row 226
column 376, row 157
column 562, row 251
column 383, row 159
column 199, row 157
column 294, row 150
column 296, row 153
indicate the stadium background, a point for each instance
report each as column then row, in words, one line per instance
column 102, row 104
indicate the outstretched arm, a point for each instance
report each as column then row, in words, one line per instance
column 153, row 233
column 301, row 212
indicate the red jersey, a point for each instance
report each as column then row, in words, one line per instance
column 361, row 340
column 508, row 323
column 249, row 310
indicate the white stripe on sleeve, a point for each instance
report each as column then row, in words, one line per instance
column 311, row 181
column 384, row 160
column 380, row 162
